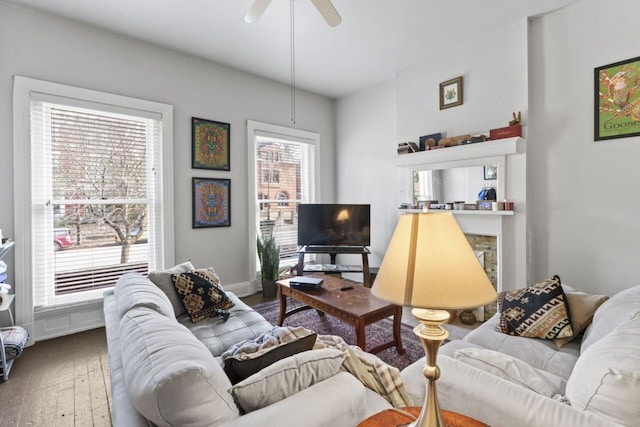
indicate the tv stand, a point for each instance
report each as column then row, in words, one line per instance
column 333, row 268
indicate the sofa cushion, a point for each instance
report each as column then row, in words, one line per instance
column 606, row 378
column 287, row 377
column 162, row 279
column 509, row 368
column 582, row 307
column 172, row 379
column 623, row 306
column 537, row 311
column 217, row 335
column 134, row 290
column 541, row 354
column 201, row 293
column 248, row 357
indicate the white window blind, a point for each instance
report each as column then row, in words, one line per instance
column 285, row 176
column 96, row 197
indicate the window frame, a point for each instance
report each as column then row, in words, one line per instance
column 26, row 89
column 276, row 131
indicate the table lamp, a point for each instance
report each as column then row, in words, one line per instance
column 429, row 265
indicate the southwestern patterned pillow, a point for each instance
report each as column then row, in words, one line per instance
column 538, row 311
column 201, row 293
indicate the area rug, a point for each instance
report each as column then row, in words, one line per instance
column 376, row 333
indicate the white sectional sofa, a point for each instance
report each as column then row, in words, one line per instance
column 167, row 370
column 515, row 381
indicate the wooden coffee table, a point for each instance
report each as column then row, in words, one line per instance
column 357, row 307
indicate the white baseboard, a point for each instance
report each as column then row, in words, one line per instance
column 67, row 320
column 244, row 289
column 71, row 319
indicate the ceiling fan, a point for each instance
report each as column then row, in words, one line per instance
column 326, row 9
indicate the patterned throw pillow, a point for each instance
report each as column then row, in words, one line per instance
column 538, row 311
column 201, row 293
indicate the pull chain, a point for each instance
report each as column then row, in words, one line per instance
column 293, row 63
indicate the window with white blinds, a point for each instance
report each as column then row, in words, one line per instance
column 96, row 197
column 284, row 161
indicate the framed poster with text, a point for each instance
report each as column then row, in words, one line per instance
column 617, row 100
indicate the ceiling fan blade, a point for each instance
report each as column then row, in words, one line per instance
column 256, row 11
column 328, row 12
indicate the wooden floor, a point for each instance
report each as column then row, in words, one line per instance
column 59, row 382
column 63, row 382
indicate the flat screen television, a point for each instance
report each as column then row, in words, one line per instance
column 334, row 225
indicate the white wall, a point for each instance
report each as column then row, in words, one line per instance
column 370, row 124
column 583, row 195
column 365, row 170
column 495, row 72
column 582, row 198
column 41, row 46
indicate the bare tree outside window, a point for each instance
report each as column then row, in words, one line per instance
column 100, row 172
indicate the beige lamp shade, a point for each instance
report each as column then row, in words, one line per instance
column 430, row 264
column 343, row 215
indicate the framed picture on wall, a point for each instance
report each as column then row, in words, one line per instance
column 617, row 100
column 211, row 202
column 451, row 93
column 490, row 172
column 210, row 144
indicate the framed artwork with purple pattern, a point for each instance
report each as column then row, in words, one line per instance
column 210, row 144
column 211, row 202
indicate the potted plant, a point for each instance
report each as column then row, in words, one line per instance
column 269, row 255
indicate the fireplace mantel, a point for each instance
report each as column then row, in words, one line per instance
column 480, row 150
column 509, row 227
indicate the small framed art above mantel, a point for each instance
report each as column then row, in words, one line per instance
column 451, row 93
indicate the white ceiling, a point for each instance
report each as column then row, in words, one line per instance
column 376, row 39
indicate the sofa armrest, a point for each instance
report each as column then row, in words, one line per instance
column 122, row 410
column 495, row 401
column 318, row 405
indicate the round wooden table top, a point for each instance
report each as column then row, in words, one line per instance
column 393, row 418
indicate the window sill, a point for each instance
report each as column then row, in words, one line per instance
column 62, row 309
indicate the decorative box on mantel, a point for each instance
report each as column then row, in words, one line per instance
column 506, row 132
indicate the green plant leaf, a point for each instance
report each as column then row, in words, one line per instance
column 269, row 255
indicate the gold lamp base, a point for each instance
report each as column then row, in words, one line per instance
column 432, row 334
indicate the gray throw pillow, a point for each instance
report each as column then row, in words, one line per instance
column 162, row 279
column 287, row 377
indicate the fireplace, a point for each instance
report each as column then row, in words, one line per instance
column 501, row 236
column 487, row 246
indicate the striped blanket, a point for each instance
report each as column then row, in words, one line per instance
column 372, row 372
